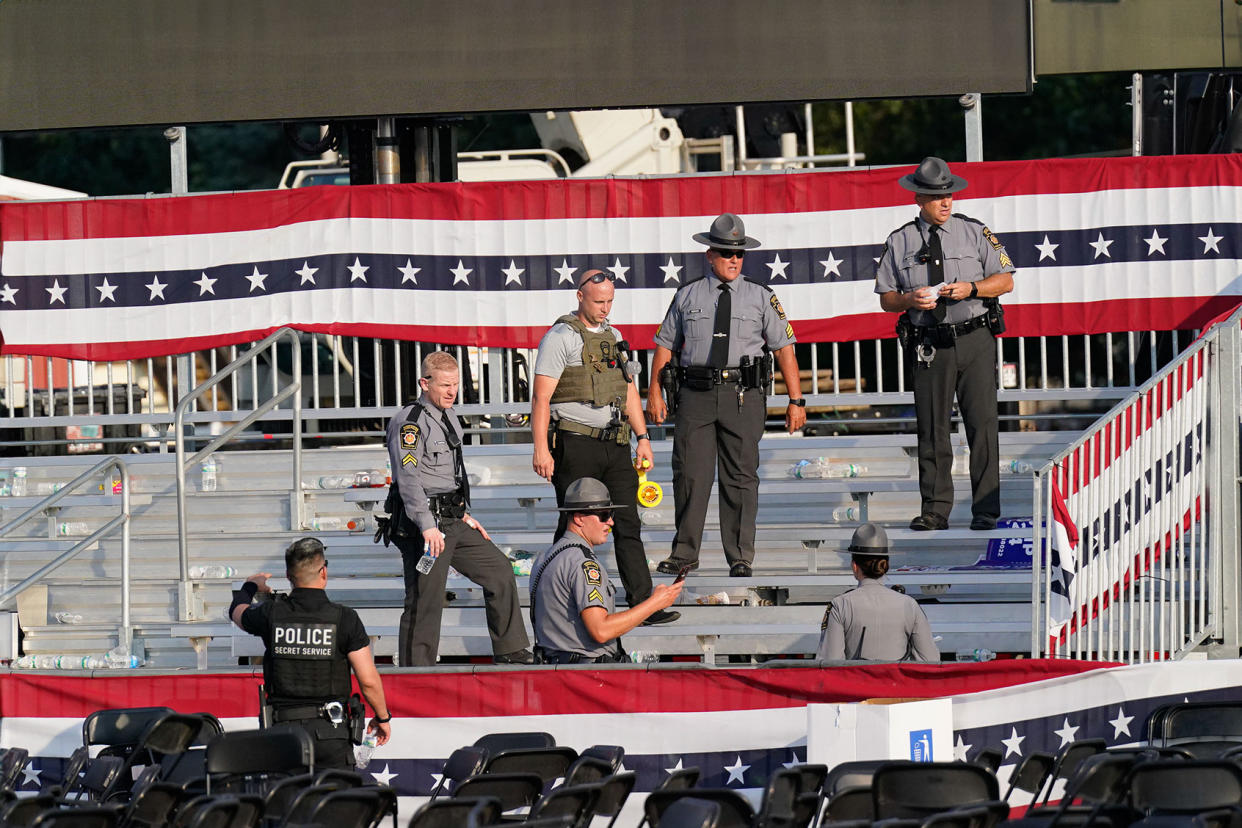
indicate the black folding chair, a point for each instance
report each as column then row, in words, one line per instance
column 518, row 740
column 514, row 790
column 612, row 754
column 1095, row 791
column 12, row 761
column 849, row 804
column 191, row 763
column 1206, row 729
column 1031, row 774
column 98, row 816
column 349, row 808
column 304, row 804
column 17, row 812
column 169, row 735
column 117, row 730
column 691, row 812
column 550, row 763
column 70, row 773
column 735, row 809
column 679, row 780
column 458, row 811
column 1185, row 787
column 780, row 798
column 587, row 769
column 252, row 757
column 220, row 811
column 916, row 790
column 577, row 802
column 989, row 758
column 98, row 778
column 461, row 764
column 1068, row 760
column 613, row 793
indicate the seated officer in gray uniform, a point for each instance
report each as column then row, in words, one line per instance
column 871, row 621
column 571, row 595
column 943, row 272
column 429, row 502
column 719, row 331
column 586, row 391
column 310, row 646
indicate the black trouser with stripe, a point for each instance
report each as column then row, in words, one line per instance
column 479, row 560
column 967, row 369
column 713, row 435
column 576, row 456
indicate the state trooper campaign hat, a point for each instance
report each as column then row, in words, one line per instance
column 870, row 539
column 587, row 494
column 933, row 178
column 727, row 233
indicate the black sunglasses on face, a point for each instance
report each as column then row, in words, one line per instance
column 604, row 515
column 729, row 254
column 598, row 278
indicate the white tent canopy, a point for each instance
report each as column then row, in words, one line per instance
column 28, row 190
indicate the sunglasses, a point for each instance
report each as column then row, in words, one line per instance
column 604, row 515
column 729, row 254
column 598, row 279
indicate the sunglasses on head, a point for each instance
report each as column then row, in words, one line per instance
column 598, row 278
column 729, row 254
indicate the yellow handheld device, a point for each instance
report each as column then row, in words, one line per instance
column 649, row 492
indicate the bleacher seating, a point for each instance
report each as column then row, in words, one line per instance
column 245, row 524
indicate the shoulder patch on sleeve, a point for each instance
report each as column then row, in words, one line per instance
column 827, row 611
column 776, row 306
column 991, row 237
column 591, row 570
column 594, row 595
column 409, row 436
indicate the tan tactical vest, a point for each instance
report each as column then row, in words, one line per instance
column 598, row 380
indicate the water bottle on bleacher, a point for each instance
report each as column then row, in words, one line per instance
column 821, row 468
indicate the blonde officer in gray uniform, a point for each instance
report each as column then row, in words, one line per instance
column 719, row 330
column 943, row 272
column 871, row 621
column 429, row 502
column 572, row 605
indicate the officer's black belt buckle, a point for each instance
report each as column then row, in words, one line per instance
column 448, row 505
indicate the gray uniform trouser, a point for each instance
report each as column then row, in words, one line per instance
column 479, row 560
column 968, row 369
column 714, row 434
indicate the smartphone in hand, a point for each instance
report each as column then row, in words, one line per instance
column 682, row 573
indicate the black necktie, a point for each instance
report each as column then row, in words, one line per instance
column 718, row 356
column 459, row 459
column 935, row 268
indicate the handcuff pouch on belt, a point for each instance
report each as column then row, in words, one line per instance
column 451, row 505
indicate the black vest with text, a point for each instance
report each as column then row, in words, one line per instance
column 304, row 660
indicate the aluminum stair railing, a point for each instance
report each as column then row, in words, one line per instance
column 125, row 634
column 187, row 609
column 1152, row 490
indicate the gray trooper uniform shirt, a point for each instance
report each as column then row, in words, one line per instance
column 423, row 464
column 560, row 348
column 757, row 320
column 876, row 623
column 971, row 253
column 572, row 582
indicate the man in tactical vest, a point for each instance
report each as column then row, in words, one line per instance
column 310, row 646
column 429, row 504
column 571, row 595
column 585, row 405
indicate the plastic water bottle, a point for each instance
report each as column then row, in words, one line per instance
column 211, row 470
column 362, row 753
column 847, row 513
column 655, row 517
column 977, row 654
column 522, row 561
column 644, row 656
column 18, row 488
column 64, row 617
column 372, row 479
column 118, row 659
column 327, row 524
column 26, row 662
column 72, row 527
column 212, row 571
column 425, row 563
column 359, row 524
column 335, row 481
column 820, row 468
column 1019, row 467
column 387, row 471
column 961, row 460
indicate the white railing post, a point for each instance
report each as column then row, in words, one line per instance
column 1226, row 370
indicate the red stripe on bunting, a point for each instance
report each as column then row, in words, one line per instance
column 1071, row 319
column 543, row 691
column 742, row 193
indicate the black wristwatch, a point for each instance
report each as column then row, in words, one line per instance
column 800, row 402
column 378, row 720
column 974, row 289
column 641, row 437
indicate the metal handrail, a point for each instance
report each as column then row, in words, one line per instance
column 122, row 520
column 293, row 389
